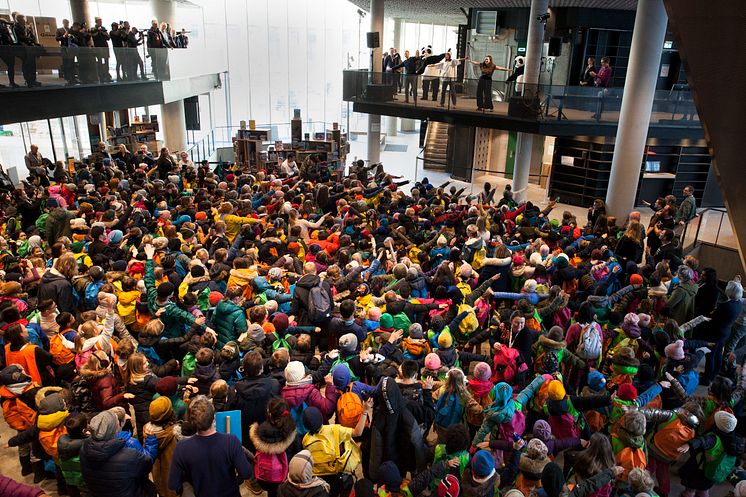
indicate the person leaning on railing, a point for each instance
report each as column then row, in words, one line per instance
column 8, row 51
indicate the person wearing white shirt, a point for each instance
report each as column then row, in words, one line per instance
column 448, row 71
column 430, row 77
column 185, row 162
column 289, row 167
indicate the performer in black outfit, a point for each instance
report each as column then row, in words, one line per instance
column 118, row 37
column 8, row 50
column 101, row 43
column 63, row 35
column 26, row 38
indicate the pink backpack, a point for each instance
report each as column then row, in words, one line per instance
column 517, row 424
column 272, row 468
column 564, row 426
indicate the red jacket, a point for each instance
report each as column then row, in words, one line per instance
column 297, row 395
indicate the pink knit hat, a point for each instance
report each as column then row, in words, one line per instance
column 432, row 361
column 644, row 319
column 482, row 371
column 374, row 313
column 675, row 350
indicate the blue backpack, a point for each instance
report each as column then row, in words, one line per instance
column 91, row 294
column 297, row 414
column 448, row 410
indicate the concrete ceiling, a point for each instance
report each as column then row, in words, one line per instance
column 447, row 11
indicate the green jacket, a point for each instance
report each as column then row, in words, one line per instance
column 229, row 321
column 175, row 319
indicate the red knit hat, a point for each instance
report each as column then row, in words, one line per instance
column 214, row 298
column 627, row 392
column 635, row 279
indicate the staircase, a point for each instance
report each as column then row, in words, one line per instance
column 436, row 146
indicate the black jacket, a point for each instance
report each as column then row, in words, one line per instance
column 111, row 469
column 143, row 392
column 56, row 287
column 250, row 396
column 299, row 304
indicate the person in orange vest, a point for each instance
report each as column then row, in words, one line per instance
column 19, row 407
column 35, row 361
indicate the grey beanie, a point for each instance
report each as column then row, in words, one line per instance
column 348, row 343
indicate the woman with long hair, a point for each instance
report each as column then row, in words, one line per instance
column 587, row 463
column 484, row 86
column 139, row 388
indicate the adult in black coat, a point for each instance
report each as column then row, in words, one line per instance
column 299, row 305
column 720, row 328
column 395, row 434
column 707, row 295
column 109, row 467
column 252, row 393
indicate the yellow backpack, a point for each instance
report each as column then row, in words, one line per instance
column 470, row 323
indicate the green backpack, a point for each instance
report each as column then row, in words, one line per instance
column 718, row 463
column 41, row 222
column 402, row 322
column 188, row 364
column 340, row 360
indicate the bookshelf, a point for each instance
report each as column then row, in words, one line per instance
column 134, row 134
column 581, row 168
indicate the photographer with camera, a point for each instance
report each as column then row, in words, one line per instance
column 8, row 50
column 134, row 40
column 181, row 40
column 27, row 39
column 118, row 37
column 62, row 35
column 100, row 39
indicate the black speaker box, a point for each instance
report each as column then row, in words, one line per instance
column 523, row 107
column 191, row 113
column 555, row 46
column 373, row 39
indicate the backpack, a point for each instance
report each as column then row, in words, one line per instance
column 272, row 468
column 415, row 349
column 297, row 414
column 340, row 360
column 516, row 425
column 470, row 323
column 630, row 458
column 464, row 287
column 671, row 436
column 402, row 321
column 319, row 304
column 448, row 410
column 349, row 408
column 477, row 261
column 180, row 269
column 330, row 456
column 718, row 463
column 589, row 345
column 41, row 222
column 60, row 353
column 91, row 294
column 504, row 365
column 17, row 414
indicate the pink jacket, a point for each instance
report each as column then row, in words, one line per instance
column 297, row 395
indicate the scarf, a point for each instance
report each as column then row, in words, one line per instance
column 300, row 472
column 18, row 388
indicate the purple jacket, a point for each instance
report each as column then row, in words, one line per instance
column 12, row 488
column 297, row 395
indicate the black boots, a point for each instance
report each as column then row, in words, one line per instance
column 39, row 473
column 26, row 468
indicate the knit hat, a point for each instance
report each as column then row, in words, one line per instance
column 635, row 279
column 725, row 421
column 281, row 322
column 644, row 319
column 626, row 357
column 295, row 374
column 675, row 350
column 161, row 410
column 530, row 286
column 214, row 297
column 432, row 361
column 312, row 418
column 389, row 475
column 166, row 386
column 415, row 331
column 386, row 322
column 165, row 289
column 256, row 333
column 536, row 449
column 627, row 392
column 300, row 468
column 633, row 423
column 449, row 486
column 445, row 340
column 562, row 261
column 552, row 480
column 482, row 464
column 596, row 381
column 348, row 343
column 556, row 390
column 535, row 259
column 160, row 243
column 596, row 255
column 51, row 403
column 115, row 236
column 542, row 430
column 77, row 247
column 104, row 426
column 631, row 318
column 13, row 374
column 482, row 371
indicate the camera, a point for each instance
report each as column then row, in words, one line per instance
column 543, row 17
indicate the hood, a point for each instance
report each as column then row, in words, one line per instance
column 260, row 284
column 297, row 394
column 127, row 298
column 47, row 422
column 206, row 372
column 52, row 275
column 164, row 434
column 548, row 343
column 92, row 375
column 532, row 468
column 308, row 281
column 447, row 356
column 102, row 451
column 480, row 388
column 471, row 488
column 690, row 288
column 243, row 276
column 269, row 440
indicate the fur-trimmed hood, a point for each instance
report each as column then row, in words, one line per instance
column 548, row 343
column 269, row 440
column 532, row 468
column 92, row 375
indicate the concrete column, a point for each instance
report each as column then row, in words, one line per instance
column 392, row 122
column 164, row 10
column 174, row 125
column 102, row 131
column 81, row 12
column 637, row 104
column 524, row 146
column 374, row 121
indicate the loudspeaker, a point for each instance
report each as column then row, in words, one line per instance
column 555, row 46
column 191, row 113
column 373, row 39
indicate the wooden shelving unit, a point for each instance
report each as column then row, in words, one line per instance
column 135, row 134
